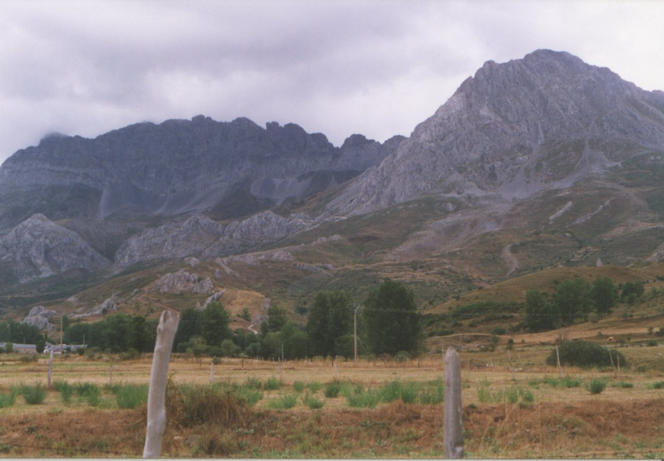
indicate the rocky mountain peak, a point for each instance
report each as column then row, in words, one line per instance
column 514, row 129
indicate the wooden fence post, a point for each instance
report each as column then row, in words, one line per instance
column 110, row 375
column 168, row 325
column 560, row 370
column 452, row 426
column 211, row 371
column 50, row 368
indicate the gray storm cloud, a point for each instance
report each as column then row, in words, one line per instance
column 342, row 67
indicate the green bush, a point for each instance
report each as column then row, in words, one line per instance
column 66, row 390
column 658, row 385
column 272, row 384
column 402, row 356
column 7, row 399
column 298, row 386
column 33, row 395
column 597, row 386
column 364, row 399
column 585, row 354
column 433, row 394
column 253, row 383
column 314, row 386
column 90, row 392
column 283, row 403
column 409, row 392
column 250, row 396
column 332, row 389
column 623, row 385
column 131, row 395
column 312, row 402
column 192, row 405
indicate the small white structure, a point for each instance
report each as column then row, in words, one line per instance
column 21, row 348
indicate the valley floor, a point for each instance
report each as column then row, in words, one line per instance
column 513, row 407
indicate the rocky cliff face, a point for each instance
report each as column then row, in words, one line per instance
column 200, row 236
column 39, row 248
column 513, row 130
column 178, row 166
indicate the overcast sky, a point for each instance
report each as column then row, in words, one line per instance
column 338, row 67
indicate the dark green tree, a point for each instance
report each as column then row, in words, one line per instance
column 541, row 314
column 276, row 319
column 572, row 300
column 215, row 324
column 330, row 318
column 391, row 319
column 604, row 294
column 191, row 324
column 631, row 291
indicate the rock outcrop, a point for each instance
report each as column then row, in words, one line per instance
column 38, row 247
column 201, row 236
column 40, row 317
column 183, row 281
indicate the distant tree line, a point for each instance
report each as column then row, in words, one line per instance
column 389, row 323
column 12, row 332
column 575, row 299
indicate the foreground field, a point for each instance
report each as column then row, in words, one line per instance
column 514, row 406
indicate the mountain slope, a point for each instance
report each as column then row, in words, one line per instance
column 513, row 130
column 178, row 166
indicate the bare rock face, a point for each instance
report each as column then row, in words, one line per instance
column 183, row 281
column 179, row 166
column 108, row 306
column 39, row 248
column 201, row 236
column 40, row 317
column 514, row 129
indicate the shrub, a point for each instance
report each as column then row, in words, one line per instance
column 433, row 393
column 597, row 386
column 585, row 354
column 314, row 386
column 402, row 356
column 7, row 399
column 623, row 385
column 364, row 399
column 191, row 405
column 409, row 392
column 131, row 395
column 332, row 389
column 658, row 385
column 249, row 395
column 283, row 403
column 312, row 402
column 253, row 383
column 33, row 395
column 298, row 386
column 272, row 384
column 390, row 392
column 90, row 392
column 66, row 390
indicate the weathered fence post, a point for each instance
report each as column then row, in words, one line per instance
column 453, row 435
column 560, row 370
column 168, row 325
column 615, row 370
column 211, row 371
column 110, row 375
column 336, row 371
column 50, row 368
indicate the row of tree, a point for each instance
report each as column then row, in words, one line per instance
column 576, row 299
column 12, row 332
column 388, row 323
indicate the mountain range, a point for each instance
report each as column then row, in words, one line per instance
column 532, row 163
